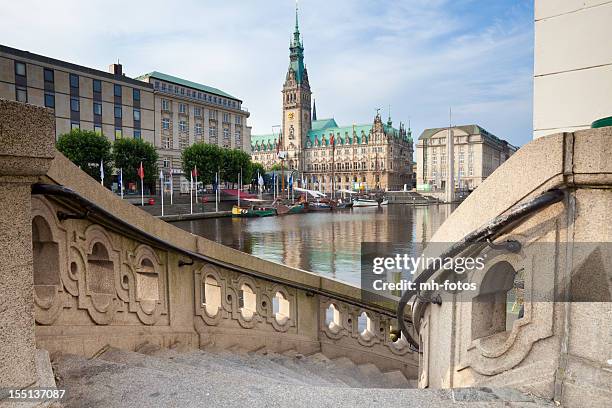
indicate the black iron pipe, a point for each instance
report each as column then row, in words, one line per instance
column 482, row 234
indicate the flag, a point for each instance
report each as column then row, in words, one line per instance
column 141, row 171
column 331, row 141
column 216, row 183
column 260, row 179
column 291, row 181
column 194, row 171
column 121, row 178
column 161, row 175
column 101, row 171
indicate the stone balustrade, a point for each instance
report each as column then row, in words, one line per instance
column 96, row 283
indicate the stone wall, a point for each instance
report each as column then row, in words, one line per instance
column 560, row 347
column 572, row 65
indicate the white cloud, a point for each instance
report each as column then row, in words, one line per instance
column 418, row 56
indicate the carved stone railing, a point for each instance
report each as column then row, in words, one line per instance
column 557, row 345
column 94, row 274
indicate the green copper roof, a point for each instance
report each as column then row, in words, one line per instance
column 264, row 142
column 184, row 82
column 323, row 124
column 297, row 52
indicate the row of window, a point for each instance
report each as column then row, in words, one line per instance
column 49, row 81
column 75, row 106
column 118, row 130
column 202, row 96
column 183, row 109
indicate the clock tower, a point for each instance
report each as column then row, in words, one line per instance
column 296, row 104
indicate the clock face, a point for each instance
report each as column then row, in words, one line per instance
column 290, row 115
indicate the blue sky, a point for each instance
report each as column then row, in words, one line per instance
column 418, row 56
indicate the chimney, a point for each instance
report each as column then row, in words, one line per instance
column 115, row 69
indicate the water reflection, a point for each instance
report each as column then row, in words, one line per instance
column 325, row 243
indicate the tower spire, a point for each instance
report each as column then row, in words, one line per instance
column 297, row 27
column 314, row 109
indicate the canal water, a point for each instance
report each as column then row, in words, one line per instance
column 328, row 243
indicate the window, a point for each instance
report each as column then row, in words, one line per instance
column 21, row 95
column 197, row 111
column 156, row 84
column 226, row 133
column 117, row 90
column 163, row 87
column 97, row 85
column 182, row 91
column 49, row 100
column 75, row 125
column 226, row 117
column 238, row 120
column 118, row 133
column 165, row 123
column 136, row 94
column 136, row 115
column 182, row 126
column 182, row 108
column 97, row 108
column 74, row 104
column 166, row 163
column 198, row 128
column 165, row 105
column 213, row 114
column 98, row 129
column 137, row 134
column 48, row 74
column 74, row 81
column 212, row 131
column 118, row 112
column 20, row 69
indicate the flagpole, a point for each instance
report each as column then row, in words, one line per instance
column 121, row 181
column 161, row 183
column 217, row 192
column 239, row 186
column 171, row 187
column 191, row 192
column 101, row 171
column 196, row 185
column 141, row 185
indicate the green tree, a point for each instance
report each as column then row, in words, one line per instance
column 129, row 153
column 275, row 167
column 234, row 161
column 86, row 149
column 208, row 158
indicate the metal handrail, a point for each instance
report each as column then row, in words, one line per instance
column 91, row 210
column 480, row 235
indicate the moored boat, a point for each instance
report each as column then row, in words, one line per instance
column 369, row 202
column 258, row 211
column 319, row 206
column 238, row 211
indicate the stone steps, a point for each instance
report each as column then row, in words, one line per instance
column 195, row 378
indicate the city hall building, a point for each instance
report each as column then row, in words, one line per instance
column 372, row 156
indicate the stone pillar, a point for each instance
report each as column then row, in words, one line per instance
column 27, row 140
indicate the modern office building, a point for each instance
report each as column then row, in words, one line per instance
column 373, row 155
column 169, row 112
column 477, row 154
column 81, row 97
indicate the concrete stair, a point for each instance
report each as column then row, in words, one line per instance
column 153, row 377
